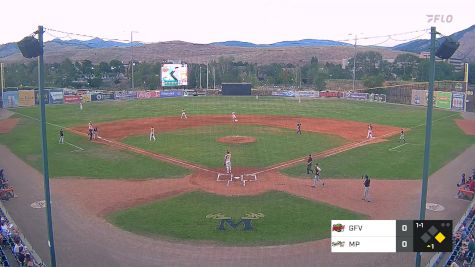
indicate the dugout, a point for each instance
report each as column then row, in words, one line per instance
column 236, row 89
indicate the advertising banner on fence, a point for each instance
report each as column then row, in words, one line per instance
column 45, row 96
column 358, row 96
column 171, row 93
column 329, row 94
column 377, row 97
column 72, row 99
column 56, row 96
column 443, row 99
column 102, row 96
column 284, row 93
column 124, row 95
column 419, row 97
column 307, row 93
column 148, row 94
column 26, row 98
column 458, row 100
column 10, row 99
column 86, row 98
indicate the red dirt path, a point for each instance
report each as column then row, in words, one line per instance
column 236, row 139
column 7, row 125
column 350, row 130
column 467, row 126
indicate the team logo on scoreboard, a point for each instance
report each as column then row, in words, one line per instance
column 338, row 227
column 338, row 244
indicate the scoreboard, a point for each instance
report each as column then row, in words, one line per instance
column 391, row 236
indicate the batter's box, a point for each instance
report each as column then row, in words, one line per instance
column 227, row 177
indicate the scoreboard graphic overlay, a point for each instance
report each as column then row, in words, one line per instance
column 391, row 236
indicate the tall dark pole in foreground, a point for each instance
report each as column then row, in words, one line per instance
column 41, row 83
column 430, row 102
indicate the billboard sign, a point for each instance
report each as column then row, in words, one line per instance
column 26, row 98
column 329, row 94
column 148, row 94
column 124, row 95
column 56, row 96
column 443, row 99
column 458, row 100
column 284, row 93
column 10, row 99
column 307, row 94
column 72, row 99
column 45, row 96
column 174, row 75
column 171, row 93
column 102, row 96
column 358, row 96
column 419, row 97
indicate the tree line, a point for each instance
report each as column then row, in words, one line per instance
column 370, row 68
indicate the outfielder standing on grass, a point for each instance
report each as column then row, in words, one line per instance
column 402, row 137
column 227, row 162
column 61, row 136
column 152, row 133
column 316, row 178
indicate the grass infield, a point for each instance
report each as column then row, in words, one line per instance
column 288, row 219
column 199, row 145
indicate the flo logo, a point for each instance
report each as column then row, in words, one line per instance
column 246, row 220
column 338, row 227
column 439, row 18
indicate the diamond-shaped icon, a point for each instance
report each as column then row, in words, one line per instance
column 440, row 237
column 425, row 237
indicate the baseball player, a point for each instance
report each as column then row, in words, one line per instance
column 152, row 133
column 80, row 105
column 316, row 177
column 233, row 115
column 366, row 184
column 61, row 136
column 309, row 164
column 299, row 128
column 402, row 137
column 90, row 128
column 227, row 162
column 370, row 131
column 183, row 114
column 94, row 133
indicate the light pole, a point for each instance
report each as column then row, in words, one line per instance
column 354, row 63
column 132, row 54
column 2, row 83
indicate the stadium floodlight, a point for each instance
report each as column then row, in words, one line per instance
column 31, row 47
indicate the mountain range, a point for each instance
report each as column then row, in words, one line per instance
column 295, row 52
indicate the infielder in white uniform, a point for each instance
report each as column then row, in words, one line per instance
column 183, row 114
column 233, row 115
column 152, row 133
column 227, row 162
column 370, row 131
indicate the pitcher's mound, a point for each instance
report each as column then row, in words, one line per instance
column 237, row 139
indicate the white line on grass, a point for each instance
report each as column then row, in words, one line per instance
column 392, row 149
column 55, row 125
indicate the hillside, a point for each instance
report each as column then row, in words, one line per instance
column 200, row 53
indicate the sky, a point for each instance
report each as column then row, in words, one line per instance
column 257, row 21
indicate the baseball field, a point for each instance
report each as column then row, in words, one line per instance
column 172, row 183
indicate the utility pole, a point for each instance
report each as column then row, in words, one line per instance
column 132, row 60
column 41, row 84
column 430, row 103
column 200, row 76
column 465, row 80
column 354, row 63
column 207, row 80
column 2, row 83
column 214, row 78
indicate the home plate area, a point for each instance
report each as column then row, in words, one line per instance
column 243, row 178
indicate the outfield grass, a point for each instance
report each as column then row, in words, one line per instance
column 288, row 219
column 273, row 145
column 388, row 161
column 95, row 161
